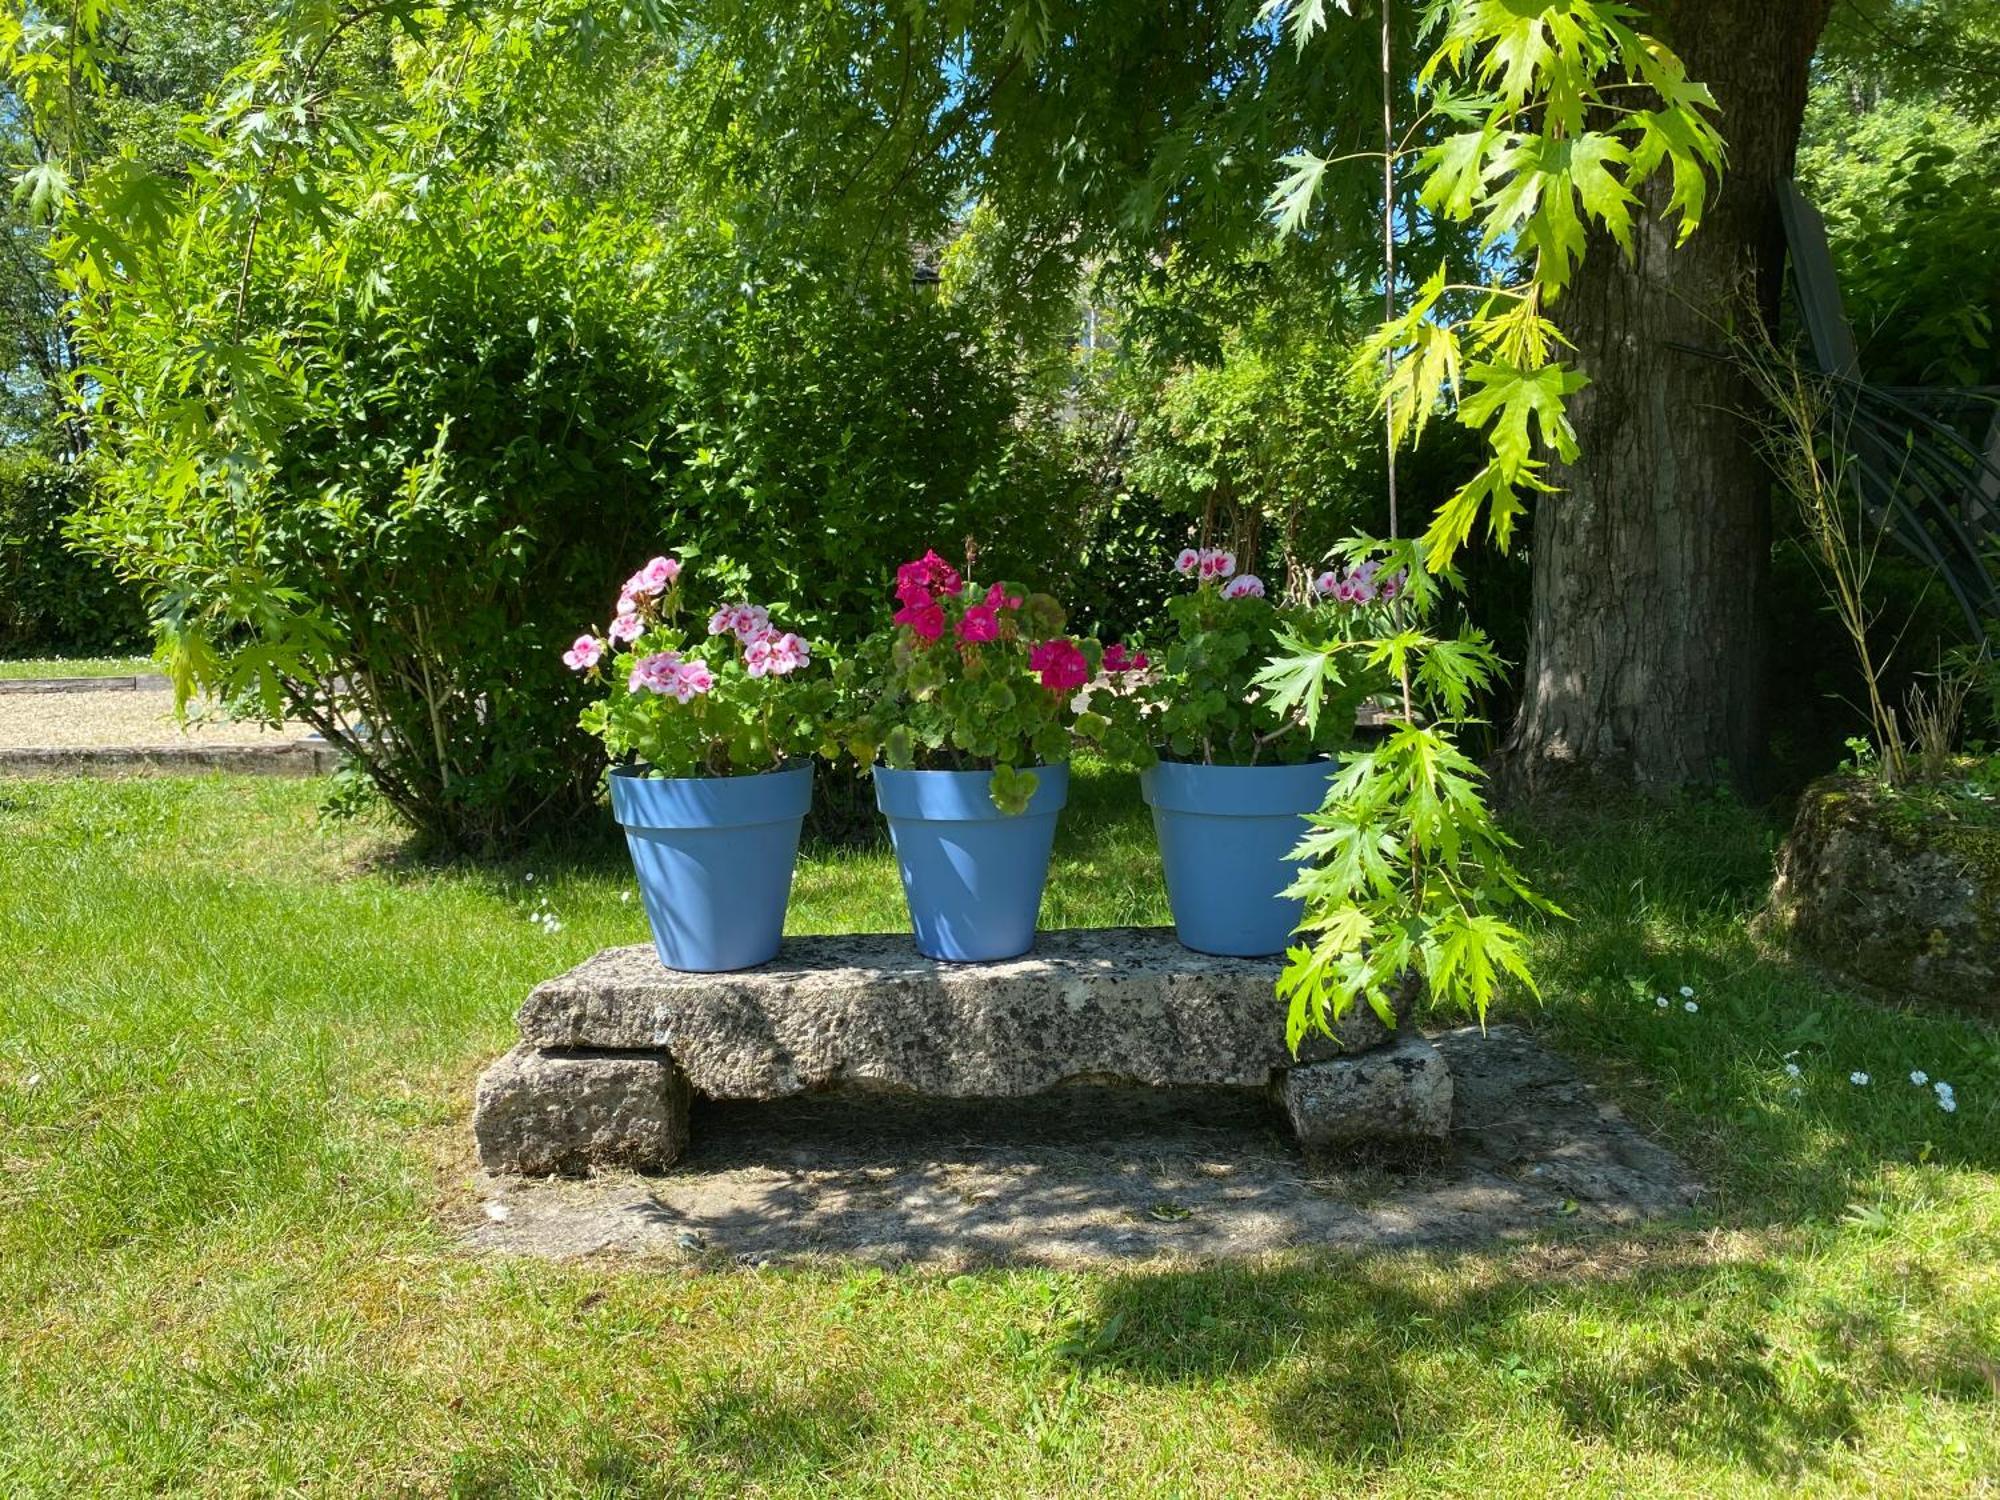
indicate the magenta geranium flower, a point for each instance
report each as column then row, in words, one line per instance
column 922, row 614
column 1062, row 666
column 1118, row 659
column 980, row 623
column 927, row 575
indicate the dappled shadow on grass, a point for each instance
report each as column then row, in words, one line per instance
column 1645, row 1348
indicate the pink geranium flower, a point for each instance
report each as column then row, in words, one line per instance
column 1325, row 584
column 653, row 579
column 776, row 654
column 1216, row 564
column 691, row 679
column 997, row 597
column 789, row 652
column 1244, row 586
column 627, row 605
column 1118, row 659
column 655, row 673
column 584, row 655
column 1188, row 561
column 625, row 629
column 1062, row 666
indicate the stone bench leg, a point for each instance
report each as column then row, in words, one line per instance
column 1397, row 1092
column 541, row 1112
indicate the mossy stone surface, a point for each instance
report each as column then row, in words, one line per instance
column 1898, row 889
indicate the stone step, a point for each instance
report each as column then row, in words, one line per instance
column 612, row 1052
column 1113, row 1003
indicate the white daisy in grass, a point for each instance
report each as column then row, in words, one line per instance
column 1858, row 1079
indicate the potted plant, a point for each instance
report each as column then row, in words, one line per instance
column 710, row 727
column 1239, row 769
column 964, row 708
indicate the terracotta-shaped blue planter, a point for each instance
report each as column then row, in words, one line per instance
column 972, row 874
column 714, row 855
column 1225, row 833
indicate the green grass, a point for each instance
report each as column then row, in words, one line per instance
column 236, row 1052
column 76, row 666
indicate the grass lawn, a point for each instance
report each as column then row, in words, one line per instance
column 236, row 1053
column 76, row 666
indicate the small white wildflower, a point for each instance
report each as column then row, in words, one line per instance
column 1661, row 1001
column 529, row 877
column 1858, row 1079
column 1943, row 1090
column 1687, row 992
column 1920, row 1078
column 32, row 1081
column 624, row 896
column 1791, row 1054
column 1689, row 1006
column 553, row 927
column 1948, row 1104
column 1792, row 1070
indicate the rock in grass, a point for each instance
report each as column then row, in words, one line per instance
column 1898, row 889
column 539, row 1113
column 1401, row 1092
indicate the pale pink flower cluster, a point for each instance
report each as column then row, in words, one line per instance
column 651, row 581
column 666, row 672
column 1362, row 584
column 744, row 621
column 1244, row 586
column 648, row 597
column 775, row 654
column 1208, row 564
column 767, row 651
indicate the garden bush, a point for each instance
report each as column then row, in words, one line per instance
column 475, row 415
column 53, row 600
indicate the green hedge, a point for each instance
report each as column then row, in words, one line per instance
column 54, row 601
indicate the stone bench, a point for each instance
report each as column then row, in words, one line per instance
column 612, row 1052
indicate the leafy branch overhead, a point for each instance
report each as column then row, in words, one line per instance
column 1542, row 124
column 1545, row 122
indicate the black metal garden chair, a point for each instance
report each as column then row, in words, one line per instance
column 1926, row 458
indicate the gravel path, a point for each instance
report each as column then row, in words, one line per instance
column 69, row 721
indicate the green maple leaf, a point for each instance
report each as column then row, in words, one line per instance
column 1292, row 199
column 1510, row 398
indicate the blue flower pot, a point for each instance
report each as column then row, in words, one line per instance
column 972, row 874
column 1225, row 833
column 714, row 856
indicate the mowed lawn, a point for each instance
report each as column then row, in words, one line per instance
column 236, row 1057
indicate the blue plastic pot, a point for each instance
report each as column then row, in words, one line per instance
column 714, row 856
column 972, row 874
column 1224, row 834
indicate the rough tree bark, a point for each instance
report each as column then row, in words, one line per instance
column 1645, row 663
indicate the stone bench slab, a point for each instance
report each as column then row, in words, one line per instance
column 1121, row 1004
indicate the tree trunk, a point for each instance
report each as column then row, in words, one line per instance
column 1645, row 663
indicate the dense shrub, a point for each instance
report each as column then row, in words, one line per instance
column 480, row 415
column 53, row 600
